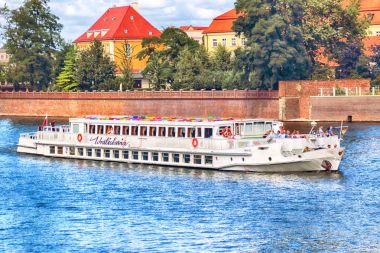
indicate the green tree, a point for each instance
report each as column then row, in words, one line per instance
column 32, row 37
column 166, row 50
column 333, row 31
column 274, row 50
column 221, row 59
column 66, row 80
column 94, row 69
column 157, row 72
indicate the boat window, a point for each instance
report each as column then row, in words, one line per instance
column 176, row 158
column 52, row 149
column 72, row 150
column 191, row 132
column 221, row 129
column 208, row 132
column 248, row 128
column 134, row 130
column 107, row 153
column 75, row 128
column 89, row 152
column 125, row 130
column 165, row 157
column 80, row 151
column 208, row 159
column 116, row 154
column 199, row 132
column 155, row 156
column 100, row 130
column 60, row 150
column 109, row 129
column 258, row 127
column 152, row 131
column 186, row 158
column 125, row 154
column 143, row 131
column 98, row 152
column 161, row 131
column 268, row 126
column 117, row 130
column 197, row 159
column 85, row 128
column 238, row 127
column 92, row 129
column 145, row 156
column 181, row 132
column 135, row 155
column 171, row 132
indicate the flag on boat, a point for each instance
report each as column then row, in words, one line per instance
column 45, row 121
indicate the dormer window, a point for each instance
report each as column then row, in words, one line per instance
column 150, row 33
column 131, row 17
column 106, row 19
column 125, row 30
column 113, row 18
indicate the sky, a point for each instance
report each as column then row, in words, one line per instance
column 78, row 15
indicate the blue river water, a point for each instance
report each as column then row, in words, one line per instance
column 57, row 205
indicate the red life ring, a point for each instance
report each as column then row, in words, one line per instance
column 194, row 142
column 79, row 137
column 226, row 132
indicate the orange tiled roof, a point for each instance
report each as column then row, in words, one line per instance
column 120, row 23
column 224, row 22
column 190, row 28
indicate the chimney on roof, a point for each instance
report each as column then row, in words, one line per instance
column 135, row 5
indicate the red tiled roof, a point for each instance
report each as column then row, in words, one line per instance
column 369, row 42
column 190, row 27
column 224, row 22
column 120, row 23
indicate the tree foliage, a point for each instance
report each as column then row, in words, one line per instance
column 66, row 80
column 274, row 48
column 32, row 37
column 94, row 69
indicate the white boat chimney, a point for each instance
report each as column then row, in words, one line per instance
column 135, row 5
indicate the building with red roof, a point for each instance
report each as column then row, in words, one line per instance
column 220, row 32
column 195, row 32
column 121, row 31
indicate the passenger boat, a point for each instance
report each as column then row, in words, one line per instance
column 208, row 143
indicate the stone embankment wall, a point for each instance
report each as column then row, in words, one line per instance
column 295, row 97
column 236, row 103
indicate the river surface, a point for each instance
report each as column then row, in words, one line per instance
column 57, row 205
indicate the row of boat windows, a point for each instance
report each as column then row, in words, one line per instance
column 185, row 132
column 133, row 155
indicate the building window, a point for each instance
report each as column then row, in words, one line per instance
column 165, row 157
column 52, row 149
column 155, row 157
column 150, row 33
column 125, row 30
column 197, row 159
column 233, row 42
column 131, row 17
column 89, row 152
column 243, row 41
column 377, row 33
column 80, row 151
column 214, row 42
column 107, row 153
column 224, row 41
column 126, row 154
column 128, row 50
column 145, row 156
column 137, row 84
column 135, row 155
column 176, row 158
column 116, row 154
column 186, row 158
column 98, row 152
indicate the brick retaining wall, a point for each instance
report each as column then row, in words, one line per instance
column 236, row 103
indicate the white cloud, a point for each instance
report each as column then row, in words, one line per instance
column 78, row 15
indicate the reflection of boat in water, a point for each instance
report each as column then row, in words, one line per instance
column 211, row 143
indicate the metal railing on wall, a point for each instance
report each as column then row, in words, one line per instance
column 202, row 94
